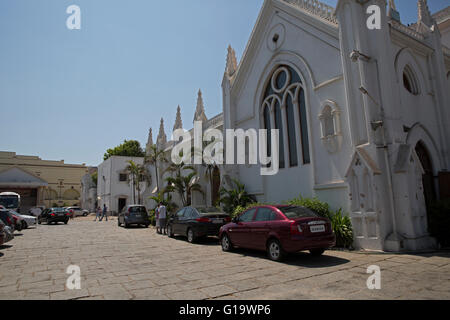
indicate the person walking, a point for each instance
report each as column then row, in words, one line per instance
column 157, row 218
column 162, row 218
column 104, row 215
column 97, row 213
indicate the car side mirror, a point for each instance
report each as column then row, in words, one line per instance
column 235, row 220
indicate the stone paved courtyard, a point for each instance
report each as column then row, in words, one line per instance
column 118, row 263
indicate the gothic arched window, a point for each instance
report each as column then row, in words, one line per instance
column 410, row 81
column 284, row 98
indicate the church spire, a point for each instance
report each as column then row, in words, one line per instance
column 149, row 141
column 231, row 66
column 162, row 139
column 393, row 13
column 424, row 15
column 200, row 110
column 178, row 122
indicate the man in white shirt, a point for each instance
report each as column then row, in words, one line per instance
column 162, row 217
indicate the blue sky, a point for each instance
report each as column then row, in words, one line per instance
column 72, row 94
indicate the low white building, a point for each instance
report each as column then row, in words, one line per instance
column 114, row 185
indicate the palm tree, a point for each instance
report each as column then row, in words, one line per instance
column 208, row 161
column 235, row 197
column 154, row 156
column 184, row 185
column 132, row 170
column 142, row 175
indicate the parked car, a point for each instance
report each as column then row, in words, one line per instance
column 279, row 230
column 54, row 215
column 18, row 221
column 2, row 233
column 27, row 221
column 197, row 222
column 133, row 214
column 77, row 212
column 7, row 218
column 6, row 233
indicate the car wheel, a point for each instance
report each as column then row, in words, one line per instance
column 169, row 231
column 24, row 225
column 126, row 225
column 118, row 222
column 190, row 235
column 274, row 250
column 316, row 252
column 65, row 222
column 39, row 221
column 226, row 243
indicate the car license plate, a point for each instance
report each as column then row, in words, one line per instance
column 315, row 229
column 218, row 221
column 60, row 214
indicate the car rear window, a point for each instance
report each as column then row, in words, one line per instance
column 138, row 210
column 298, row 212
column 58, row 209
column 208, row 210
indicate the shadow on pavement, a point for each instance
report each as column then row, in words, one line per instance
column 300, row 259
column 203, row 241
column 18, row 234
column 5, row 246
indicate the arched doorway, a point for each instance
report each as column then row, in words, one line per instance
column 428, row 176
column 215, row 188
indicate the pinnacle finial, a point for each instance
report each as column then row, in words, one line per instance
column 178, row 122
column 231, row 66
column 162, row 138
column 200, row 109
column 149, row 140
column 392, row 12
column 423, row 13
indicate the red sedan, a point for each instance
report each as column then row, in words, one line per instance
column 278, row 230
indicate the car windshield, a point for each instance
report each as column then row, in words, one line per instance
column 293, row 212
column 208, row 210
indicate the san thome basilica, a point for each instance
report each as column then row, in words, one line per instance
column 363, row 115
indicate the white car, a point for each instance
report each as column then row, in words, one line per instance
column 77, row 211
column 28, row 221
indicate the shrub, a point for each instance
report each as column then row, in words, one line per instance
column 439, row 221
column 342, row 227
column 234, row 198
column 322, row 208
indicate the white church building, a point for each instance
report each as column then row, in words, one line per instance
column 363, row 115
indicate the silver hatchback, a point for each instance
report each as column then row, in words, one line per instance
column 133, row 215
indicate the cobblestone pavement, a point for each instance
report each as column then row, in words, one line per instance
column 135, row 263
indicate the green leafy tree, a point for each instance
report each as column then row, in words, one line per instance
column 129, row 148
column 233, row 198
